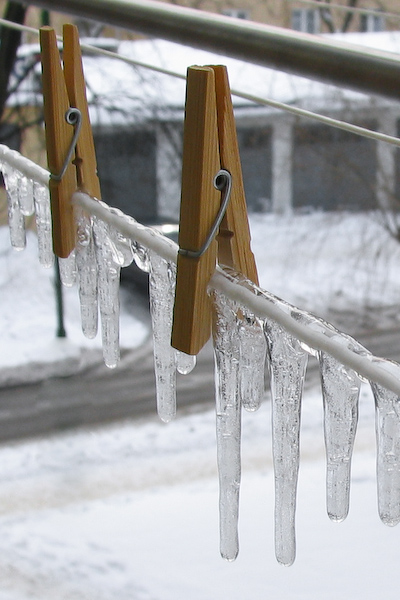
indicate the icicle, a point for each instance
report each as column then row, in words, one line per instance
column 41, row 200
column 141, row 257
column 16, row 220
column 341, row 390
column 68, row 270
column 252, row 360
column 387, row 406
column 161, row 290
column 288, row 367
column 108, row 270
column 122, row 244
column 87, row 275
column 25, row 195
column 228, row 411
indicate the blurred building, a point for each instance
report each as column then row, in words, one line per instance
column 288, row 164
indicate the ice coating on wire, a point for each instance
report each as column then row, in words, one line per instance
column 228, row 415
column 288, row 362
column 387, row 406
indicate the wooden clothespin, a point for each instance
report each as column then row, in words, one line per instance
column 70, row 148
column 209, row 145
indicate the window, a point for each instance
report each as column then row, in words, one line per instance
column 371, row 22
column 304, row 19
column 237, row 13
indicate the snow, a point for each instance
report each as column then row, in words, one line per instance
column 29, row 349
column 130, row 510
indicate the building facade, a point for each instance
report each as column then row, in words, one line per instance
column 288, row 164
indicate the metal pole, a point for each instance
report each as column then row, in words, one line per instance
column 317, row 57
column 61, row 333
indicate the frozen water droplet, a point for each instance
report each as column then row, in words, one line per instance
column 161, row 290
column 41, row 200
column 252, row 360
column 68, row 270
column 185, row 363
column 228, row 411
column 288, row 362
column 387, row 406
column 340, row 389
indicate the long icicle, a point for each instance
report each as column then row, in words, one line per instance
column 341, row 390
column 288, row 366
column 387, row 405
column 228, row 415
column 161, row 288
column 87, row 275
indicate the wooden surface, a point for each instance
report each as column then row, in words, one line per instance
column 199, row 206
column 234, row 235
column 58, row 140
column 85, row 156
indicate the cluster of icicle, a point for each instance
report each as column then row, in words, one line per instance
column 245, row 348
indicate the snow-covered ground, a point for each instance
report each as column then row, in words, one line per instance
column 130, row 510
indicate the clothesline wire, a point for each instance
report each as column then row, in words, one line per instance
column 260, row 306
column 296, row 111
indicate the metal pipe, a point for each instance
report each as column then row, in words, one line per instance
column 316, row 57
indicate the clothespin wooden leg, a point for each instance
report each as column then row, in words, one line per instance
column 234, row 234
column 59, row 136
column 85, row 156
column 199, row 206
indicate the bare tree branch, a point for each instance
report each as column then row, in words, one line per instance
column 9, row 42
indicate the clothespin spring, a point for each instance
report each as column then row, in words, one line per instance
column 222, row 182
column 73, row 116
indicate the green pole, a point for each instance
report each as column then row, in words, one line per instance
column 45, row 18
column 61, row 333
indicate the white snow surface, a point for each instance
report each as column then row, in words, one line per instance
column 130, row 510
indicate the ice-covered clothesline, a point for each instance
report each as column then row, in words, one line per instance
column 319, row 337
column 250, row 324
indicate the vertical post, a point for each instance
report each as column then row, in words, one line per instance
column 282, row 166
column 168, row 161
column 61, row 333
column 386, row 163
column 45, row 18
